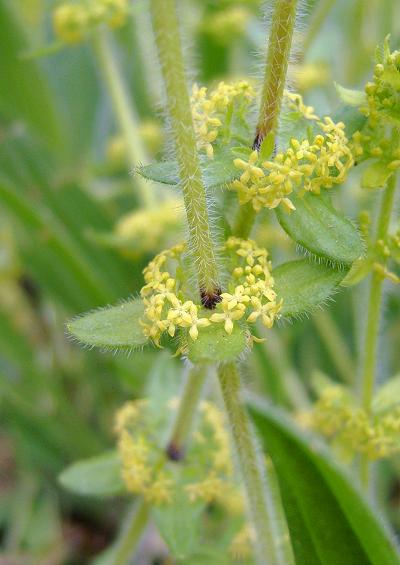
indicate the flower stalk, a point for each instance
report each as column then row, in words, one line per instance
column 187, row 410
column 125, row 113
column 280, row 41
column 166, row 30
column 261, row 496
column 373, row 317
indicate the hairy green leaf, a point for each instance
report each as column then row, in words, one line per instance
column 216, row 172
column 304, row 286
column 322, row 230
column 329, row 520
column 351, row 97
column 215, row 345
column 112, row 327
column 97, row 476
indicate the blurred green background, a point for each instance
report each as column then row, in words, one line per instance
column 64, row 181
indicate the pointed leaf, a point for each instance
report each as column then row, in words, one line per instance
column 97, row 476
column 216, row 172
column 322, row 230
column 214, row 345
column 351, row 97
column 304, row 286
column 320, row 499
column 112, row 327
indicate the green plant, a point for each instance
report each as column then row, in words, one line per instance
column 214, row 299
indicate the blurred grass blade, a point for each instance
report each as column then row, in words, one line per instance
column 25, row 93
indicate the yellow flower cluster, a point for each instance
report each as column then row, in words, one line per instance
column 150, row 227
column 145, row 468
column 140, row 457
column 209, row 110
column 249, row 295
column 337, row 416
column 73, row 21
column 304, row 166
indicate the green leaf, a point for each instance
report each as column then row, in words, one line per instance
column 351, row 97
column 216, row 172
column 322, row 230
column 215, row 345
column 179, row 525
column 112, row 327
column 329, row 520
column 97, row 476
column 267, row 146
column 27, row 96
column 375, row 175
column 304, row 286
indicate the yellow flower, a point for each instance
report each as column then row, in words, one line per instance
column 228, row 316
column 251, row 172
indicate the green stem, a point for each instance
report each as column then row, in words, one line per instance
column 133, row 528
column 126, row 116
column 166, row 29
column 336, row 346
column 279, row 44
column 261, row 498
column 187, row 410
column 373, row 317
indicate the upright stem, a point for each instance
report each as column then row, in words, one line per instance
column 373, row 316
column 187, row 410
column 279, row 44
column 126, row 116
column 133, row 528
column 166, row 29
column 261, row 498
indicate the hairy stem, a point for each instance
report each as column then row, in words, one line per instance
column 279, row 44
column 187, row 410
column 124, row 111
column 166, row 29
column 265, row 517
column 280, row 41
column 132, row 530
column 373, row 317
